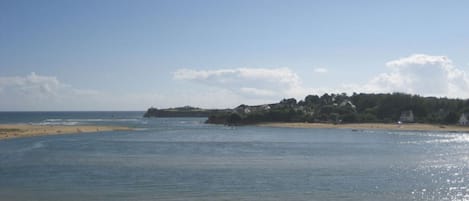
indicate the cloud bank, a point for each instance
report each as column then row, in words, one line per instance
column 32, row 85
column 35, row 92
column 250, row 82
column 422, row 74
column 29, row 91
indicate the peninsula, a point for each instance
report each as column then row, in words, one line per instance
column 341, row 110
column 186, row 111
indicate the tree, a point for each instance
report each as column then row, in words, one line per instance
column 350, row 118
column 291, row 102
column 361, row 108
column 451, row 118
column 326, row 99
column 311, row 100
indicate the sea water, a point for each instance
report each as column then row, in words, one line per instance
column 185, row 159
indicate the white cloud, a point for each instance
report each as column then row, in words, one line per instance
column 320, row 70
column 422, row 74
column 417, row 74
column 221, row 88
column 31, row 86
column 39, row 92
column 420, row 59
column 248, row 82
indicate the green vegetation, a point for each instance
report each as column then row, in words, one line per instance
column 333, row 108
column 186, row 111
column 357, row 108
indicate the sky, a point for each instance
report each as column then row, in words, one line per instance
column 72, row 55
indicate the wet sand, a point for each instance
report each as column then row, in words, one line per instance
column 373, row 126
column 26, row 130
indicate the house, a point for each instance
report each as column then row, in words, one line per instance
column 347, row 103
column 407, row 116
column 463, row 120
column 242, row 109
column 264, row 107
column 246, row 109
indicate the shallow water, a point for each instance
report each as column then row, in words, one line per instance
column 184, row 159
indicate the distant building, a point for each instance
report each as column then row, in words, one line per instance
column 407, row 116
column 242, row 109
column 347, row 103
column 463, row 120
column 264, row 107
column 246, row 109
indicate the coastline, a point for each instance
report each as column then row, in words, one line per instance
column 371, row 126
column 8, row 131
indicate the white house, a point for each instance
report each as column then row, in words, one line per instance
column 463, row 120
column 348, row 104
column 407, row 116
column 246, row 109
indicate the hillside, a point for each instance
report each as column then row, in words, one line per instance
column 357, row 108
column 334, row 108
column 186, row 111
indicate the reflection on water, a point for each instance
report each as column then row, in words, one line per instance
column 184, row 159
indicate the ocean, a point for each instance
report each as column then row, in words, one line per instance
column 185, row 159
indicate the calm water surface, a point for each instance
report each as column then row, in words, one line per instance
column 184, row 159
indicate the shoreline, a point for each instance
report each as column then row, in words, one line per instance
column 370, row 126
column 9, row 131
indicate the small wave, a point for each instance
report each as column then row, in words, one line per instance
column 57, row 123
column 90, row 120
column 71, row 122
column 36, row 145
column 100, row 120
column 53, row 120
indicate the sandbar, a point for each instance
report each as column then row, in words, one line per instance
column 8, row 131
column 372, row 126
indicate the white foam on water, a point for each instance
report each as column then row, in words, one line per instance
column 35, row 145
column 100, row 120
column 57, row 123
column 72, row 122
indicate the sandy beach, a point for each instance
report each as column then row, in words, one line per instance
column 26, row 130
column 373, row 126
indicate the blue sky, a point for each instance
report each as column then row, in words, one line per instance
column 129, row 55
